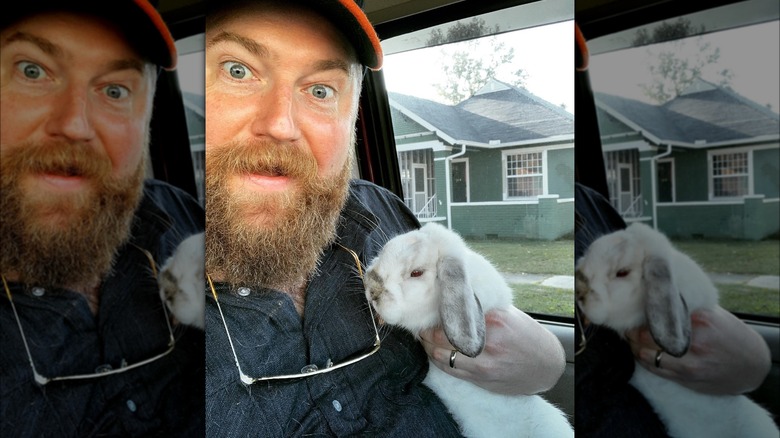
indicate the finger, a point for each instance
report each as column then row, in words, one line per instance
column 639, row 339
column 633, row 334
column 428, row 346
column 436, row 337
column 426, row 336
column 462, row 364
column 642, row 337
column 440, row 353
column 496, row 317
column 665, row 364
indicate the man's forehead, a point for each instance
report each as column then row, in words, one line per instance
column 58, row 34
column 254, row 13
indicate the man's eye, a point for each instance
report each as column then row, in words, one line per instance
column 236, row 70
column 31, row 71
column 116, row 91
column 321, row 91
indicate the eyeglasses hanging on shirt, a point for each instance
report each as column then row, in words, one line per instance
column 104, row 371
column 311, row 369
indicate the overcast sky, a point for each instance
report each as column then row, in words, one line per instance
column 545, row 52
column 752, row 53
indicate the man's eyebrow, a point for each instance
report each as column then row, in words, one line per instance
column 259, row 49
column 250, row 45
column 53, row 50
column 333, row 64
column 128, row 64
column 48, row 47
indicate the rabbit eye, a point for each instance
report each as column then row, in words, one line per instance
column 417, row 273
column 622, row 273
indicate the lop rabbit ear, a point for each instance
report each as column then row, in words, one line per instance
column 666, row 311
column 460, row 311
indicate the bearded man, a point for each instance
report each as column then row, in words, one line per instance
column 88, row 346
column 291, row 345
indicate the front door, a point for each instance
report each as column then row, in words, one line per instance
column 420, row 184
column 625, row 189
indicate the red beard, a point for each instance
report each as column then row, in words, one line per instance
column 67, row 239
column 275, row 239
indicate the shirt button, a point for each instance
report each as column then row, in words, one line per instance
column 38, row 291
column 131, row 405
column 309, row 369
column 243, row 291
column 337, row 405
column 103, row 368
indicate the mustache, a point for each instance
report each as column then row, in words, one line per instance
column 60, row 157
column 261, row 157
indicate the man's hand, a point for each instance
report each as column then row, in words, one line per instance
column 520, row 356
column 725, row 356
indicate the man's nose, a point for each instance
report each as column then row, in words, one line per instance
column 71, row 116
column 276, row 115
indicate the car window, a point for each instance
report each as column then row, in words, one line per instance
column 688, row 116
column 483, row 122
column 191, row 70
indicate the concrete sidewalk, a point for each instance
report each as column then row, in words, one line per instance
column 557, row 281
column 762, row 281
column 567, row 282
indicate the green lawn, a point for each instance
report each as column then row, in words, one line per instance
column 734, row 257
column 528, row 256
column 534, row 257
column 535, row 298
column 741, row 258
column 741, row 298
column 556, row 258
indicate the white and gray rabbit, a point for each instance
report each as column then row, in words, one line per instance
column 428, row 278
column 634, row 277
column 181, row 281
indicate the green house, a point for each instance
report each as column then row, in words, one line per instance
column 500, row 164
column 704, row 164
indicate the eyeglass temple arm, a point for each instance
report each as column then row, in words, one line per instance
column 244, row 378
column 41, row 380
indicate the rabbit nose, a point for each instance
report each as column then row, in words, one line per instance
column 581, row 285
column 374, row 285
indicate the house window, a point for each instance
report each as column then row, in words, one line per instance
column 665, row 180
column 525, row 175
column 730, row 176
column 460, row 180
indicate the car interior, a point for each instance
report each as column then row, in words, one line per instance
column 177, row 139
column 604, row 27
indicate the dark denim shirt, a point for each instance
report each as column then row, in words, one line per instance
column 382, row 395
column 606, row 405
column 164, row 398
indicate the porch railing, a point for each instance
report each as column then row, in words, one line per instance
column 426, row 211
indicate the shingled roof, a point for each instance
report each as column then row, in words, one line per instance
column 702, row 116
column 497, row 114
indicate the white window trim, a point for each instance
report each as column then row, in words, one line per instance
column 710, row 177
column 545, row 182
